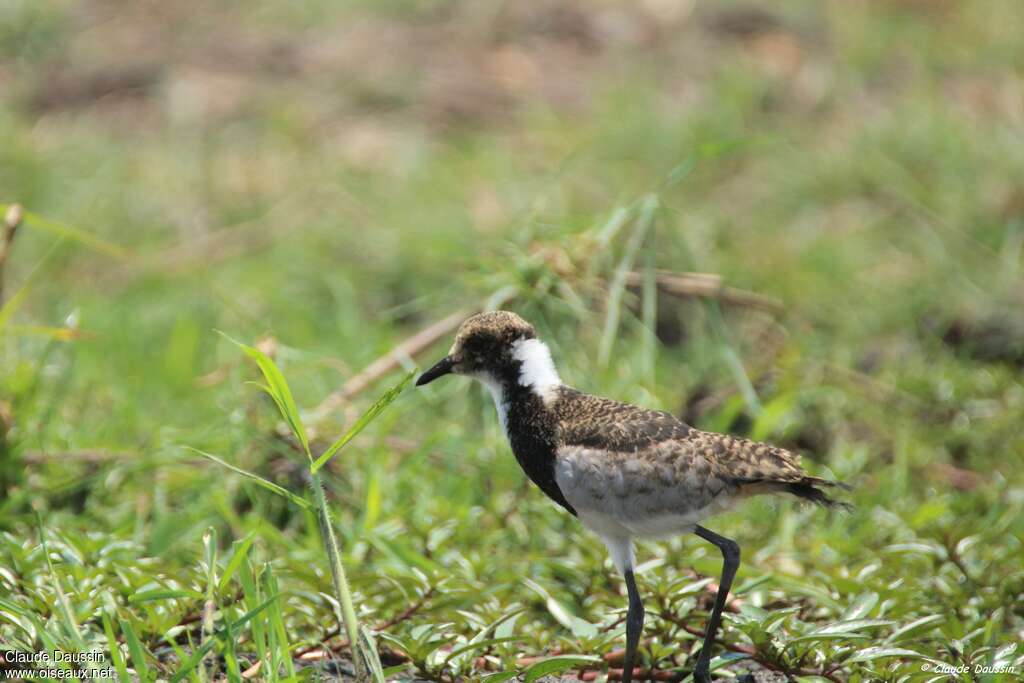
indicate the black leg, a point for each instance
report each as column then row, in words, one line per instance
column 730, row 563
column 634, row 625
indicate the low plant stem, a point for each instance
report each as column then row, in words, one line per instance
column 345, row 612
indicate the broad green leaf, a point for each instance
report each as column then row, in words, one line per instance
column 269, row 485
column 11, row 606
column 496, row 624
column 553, row 665
column 499, row 676
column 821, row 637
column 851, row 626
column 776, row 617
column 751, row 584
column 477, row 645
column 278, row 389
column 581, row 628
column 915, row 548
column 870, row 653
column 369, row 416
column 725, row 659
column 908, row 629
column 1005, row 652
column 861, row 607
column 391, row 671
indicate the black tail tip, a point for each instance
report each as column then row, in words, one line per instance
column 809, row 492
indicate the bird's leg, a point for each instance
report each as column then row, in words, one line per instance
column 730, row 562
column 634, row 625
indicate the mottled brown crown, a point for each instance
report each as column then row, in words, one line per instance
column 485, row 340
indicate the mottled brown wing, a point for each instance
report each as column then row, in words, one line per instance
column 680, row 452
column 604, row 424
column 754, row 467
column 744, row 459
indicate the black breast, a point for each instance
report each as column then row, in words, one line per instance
column 532, row 432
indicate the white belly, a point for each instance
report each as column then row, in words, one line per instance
column 615, row 495
column 616, row 523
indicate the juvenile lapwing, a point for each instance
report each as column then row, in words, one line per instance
column 624, row 471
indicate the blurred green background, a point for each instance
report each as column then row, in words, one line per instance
column 328, row 179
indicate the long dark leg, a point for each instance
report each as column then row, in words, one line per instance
column 634, row 625
column 730, row 563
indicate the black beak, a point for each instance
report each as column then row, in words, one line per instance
column 444, row 367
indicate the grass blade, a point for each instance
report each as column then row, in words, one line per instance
column 72, row 233
column 209, row 604
column 197, row 656
column 278, row 389
column 278, row 645
column 11, row 305
column 649, row 315
column 269, row 485
column 115, row 651
column 70, row 623
column 163, row 594
column 618, row 284
column 369, row 416
column 241, row 552
column 136, row 651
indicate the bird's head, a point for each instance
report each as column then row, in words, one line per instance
column 497, row 348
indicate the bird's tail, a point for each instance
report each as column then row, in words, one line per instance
column 804, row 487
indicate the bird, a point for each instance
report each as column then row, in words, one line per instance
column 625, row 472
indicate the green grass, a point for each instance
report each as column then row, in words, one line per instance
column 858, row 162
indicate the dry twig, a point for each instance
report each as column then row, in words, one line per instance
column 705, row 286
column 682, row 285
column 409, row 348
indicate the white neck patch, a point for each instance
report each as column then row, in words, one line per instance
column 538, row 370
column 498, row 394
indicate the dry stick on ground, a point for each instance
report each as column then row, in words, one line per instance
column 682, row 285
column 12, row 221
column 705, row 286
column 409, row 348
